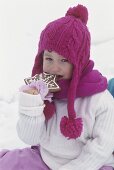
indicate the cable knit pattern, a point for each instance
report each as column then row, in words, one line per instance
column 30, row 103
column 90, row 151
column 31, row 113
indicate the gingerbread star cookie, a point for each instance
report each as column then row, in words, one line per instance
column 49, row 79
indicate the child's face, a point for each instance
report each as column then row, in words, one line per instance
column 56, row 64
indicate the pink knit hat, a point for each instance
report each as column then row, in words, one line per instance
column 69, row 37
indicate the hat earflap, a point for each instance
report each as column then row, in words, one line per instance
column 71, row 126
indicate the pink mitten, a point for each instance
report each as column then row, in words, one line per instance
column 41, row 87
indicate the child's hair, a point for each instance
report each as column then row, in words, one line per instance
column 70, row 38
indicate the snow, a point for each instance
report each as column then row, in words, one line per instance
column 21, row 22
column 8, row 119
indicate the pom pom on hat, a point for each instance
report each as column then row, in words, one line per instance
column 71, row 128
column 80, row 12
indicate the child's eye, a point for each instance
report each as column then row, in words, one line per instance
column 64, row 60
column 48, row 59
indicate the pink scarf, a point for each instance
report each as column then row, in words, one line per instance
column 91, row 82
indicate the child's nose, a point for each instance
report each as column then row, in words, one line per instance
column 55, row 69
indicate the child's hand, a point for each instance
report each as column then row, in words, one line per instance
column 32, row 91
column 38, row 87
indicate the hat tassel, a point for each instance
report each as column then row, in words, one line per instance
column 70, row 127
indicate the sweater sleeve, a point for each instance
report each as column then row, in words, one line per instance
column 100, row 146
column 31, row 118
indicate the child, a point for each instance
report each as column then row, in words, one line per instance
column 74, row 131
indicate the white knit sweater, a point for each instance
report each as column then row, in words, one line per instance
column 90, row 151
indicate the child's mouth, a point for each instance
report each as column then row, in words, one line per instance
column 59, row 77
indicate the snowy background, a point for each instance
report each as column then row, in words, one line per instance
column 21, row 22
